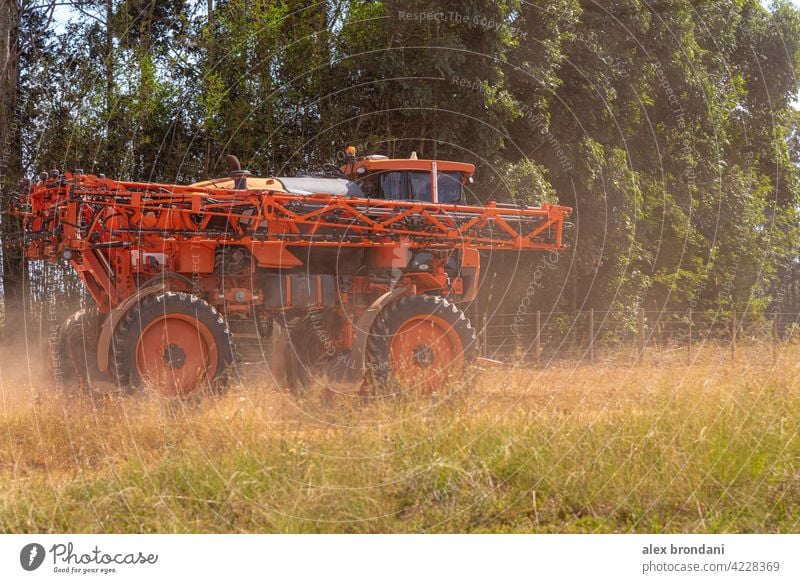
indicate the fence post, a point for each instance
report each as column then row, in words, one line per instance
column 775, row 339
column 640, row 326
column 689, row 343
column 538, row 338
column 484, row 336
column 591, row 335
column 733, row 335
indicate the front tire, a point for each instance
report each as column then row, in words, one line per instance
column 419, row 343
column 174, row 342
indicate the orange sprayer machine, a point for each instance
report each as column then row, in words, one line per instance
column 355, row 277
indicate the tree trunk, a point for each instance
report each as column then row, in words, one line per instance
column 109, row 60
column 10, row 165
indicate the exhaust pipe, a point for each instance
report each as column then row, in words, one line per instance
column 239, row 176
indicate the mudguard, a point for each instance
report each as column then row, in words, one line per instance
column 114, row 317
column 343, row 373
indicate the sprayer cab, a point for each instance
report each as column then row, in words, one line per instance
column 373, row 177
column 409, row 179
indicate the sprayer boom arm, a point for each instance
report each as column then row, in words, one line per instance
column 77, row 208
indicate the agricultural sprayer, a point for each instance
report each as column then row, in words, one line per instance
column 355, row 277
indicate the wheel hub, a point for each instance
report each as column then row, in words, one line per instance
column 425, row 352
column 174, row 356
column 423, row 356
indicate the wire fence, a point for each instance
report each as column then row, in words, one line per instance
column 539, row 337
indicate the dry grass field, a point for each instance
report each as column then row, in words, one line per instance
column 609, row 447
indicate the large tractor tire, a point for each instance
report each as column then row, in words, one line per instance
column 59, row 368
column 73, row 354
column 173, row 342
column 419, row 343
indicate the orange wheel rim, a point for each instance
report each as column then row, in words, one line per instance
column 176, row 354
column 426, row 351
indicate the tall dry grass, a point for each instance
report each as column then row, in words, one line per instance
column 660, row 447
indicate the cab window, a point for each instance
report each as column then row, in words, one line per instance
column 449, row 187
column 413, row 185
column 393, row 186
column 420, row 186
column 400, row 185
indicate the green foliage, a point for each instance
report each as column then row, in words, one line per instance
column 524, row 182
column 670, row 128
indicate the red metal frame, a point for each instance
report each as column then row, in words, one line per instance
column 115, row 231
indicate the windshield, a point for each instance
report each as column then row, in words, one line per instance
column 413, row 185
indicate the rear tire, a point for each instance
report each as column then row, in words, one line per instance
column 73, row 354
column 419, row 343
column 175, row 342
